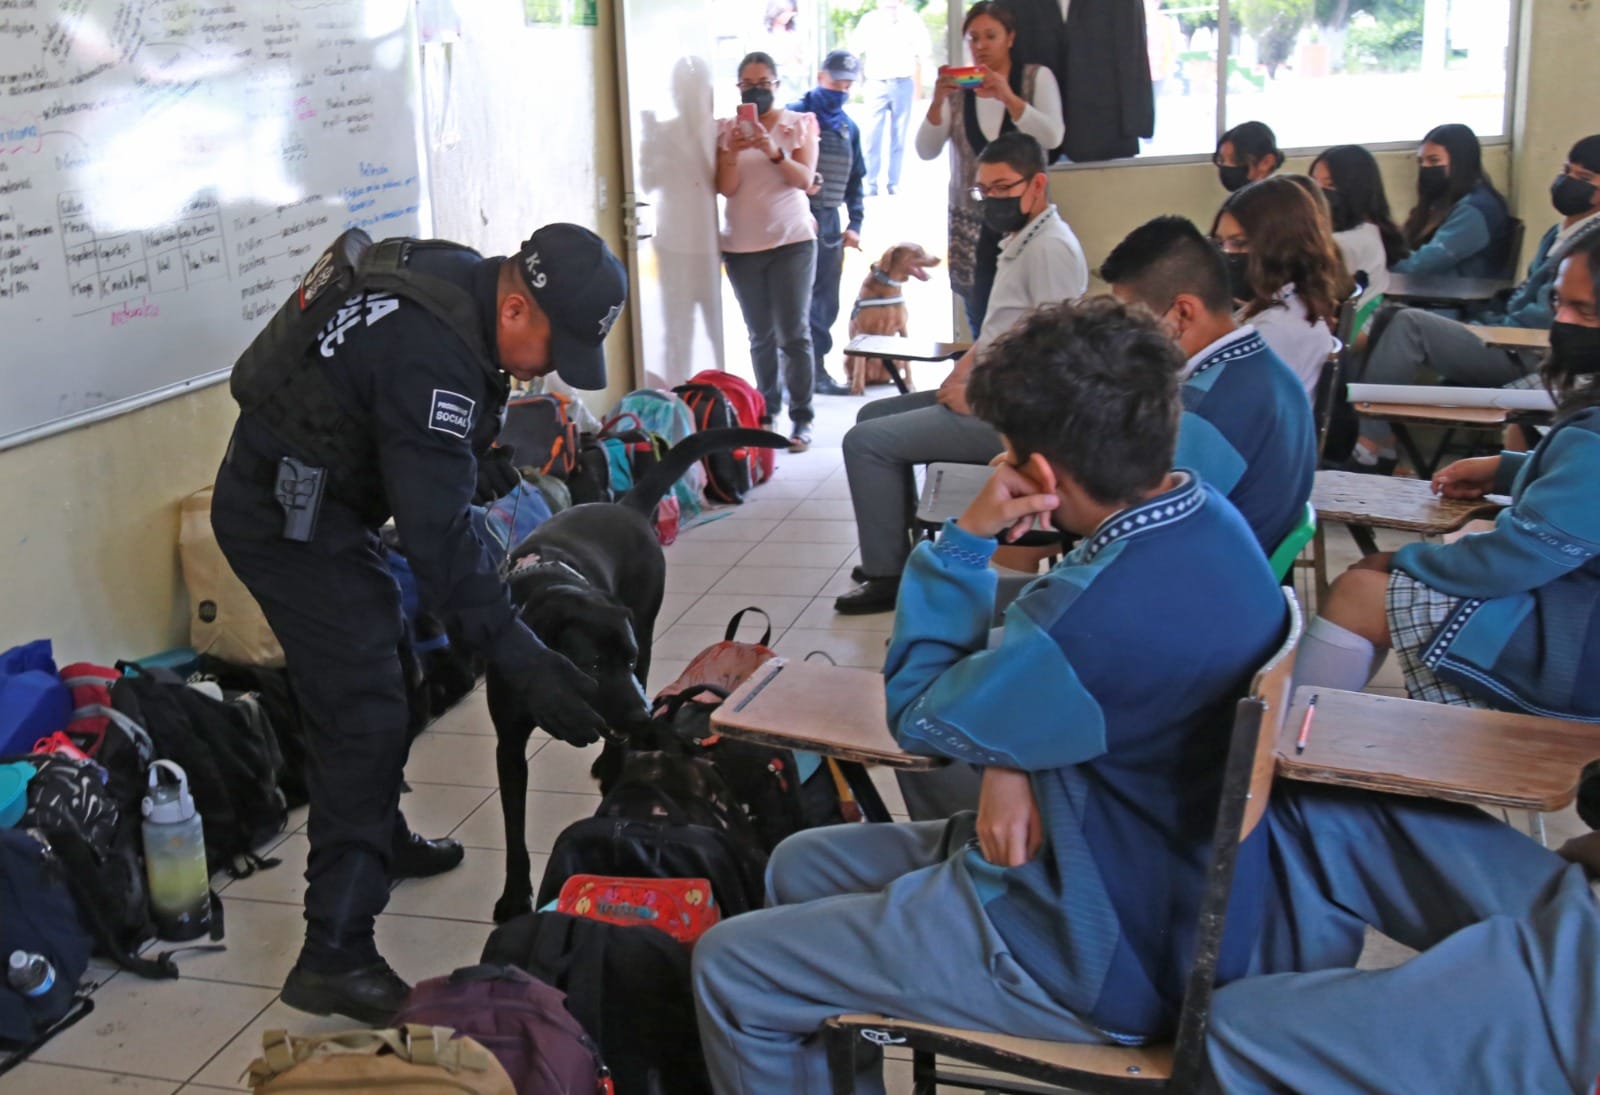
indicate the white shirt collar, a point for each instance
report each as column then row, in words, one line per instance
column 1012, row 245
column 1243, row 331
column 1566, row 231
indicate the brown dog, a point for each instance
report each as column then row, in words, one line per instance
column 880, row 309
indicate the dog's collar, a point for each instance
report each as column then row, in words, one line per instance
column 884, row 279
column 534, row 559
column 879, row 302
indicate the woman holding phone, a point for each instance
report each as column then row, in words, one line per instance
column 766, row 161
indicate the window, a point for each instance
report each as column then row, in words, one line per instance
column 1325, row 72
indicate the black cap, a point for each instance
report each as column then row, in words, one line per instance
column 581, row 287
column 841, row 64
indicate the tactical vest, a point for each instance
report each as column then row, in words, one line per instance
column 834, row 160
column 279, row 382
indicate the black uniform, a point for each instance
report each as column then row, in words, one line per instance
column 428, row 405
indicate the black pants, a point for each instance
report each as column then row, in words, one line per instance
column 825, row 287
column 336, row 611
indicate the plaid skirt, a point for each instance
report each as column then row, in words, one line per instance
column 1416, row 612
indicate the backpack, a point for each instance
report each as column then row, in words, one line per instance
column 504, row 524
column 414, row 1059
column 668, row 417
column 543, row 432
column 521, row 1020
column 37, row 915
column 33, row 702
column 590, row 479
column 232, row 762
column 556, row 494
column 750, row 408
column 727, row 471
column 633, row 451
column 684, row 908
column 275, row 696
column 629, row 987
column 224, row 619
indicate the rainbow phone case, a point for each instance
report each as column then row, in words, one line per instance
column 968, row 77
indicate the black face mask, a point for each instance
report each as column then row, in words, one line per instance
column 1004, row 215
column 1239, row 274
column 1338, row 212
column 1233, row 177
column 1574, row 349
column 1571, row 196
column 1432, row 181
column 759, row 96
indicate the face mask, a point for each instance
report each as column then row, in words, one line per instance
column 828, row 98
column 1239, row 274
column 1233, row 177
column 1337, row 211
column 1004, row 215
column 759, row 96
column 1574, row 349
column 1571, row 196
column 1432, row 181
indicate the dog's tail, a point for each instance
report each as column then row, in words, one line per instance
column 653, row 486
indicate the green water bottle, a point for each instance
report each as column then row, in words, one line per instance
column 175, row 857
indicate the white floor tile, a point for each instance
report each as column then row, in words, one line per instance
column 761, row 509
column 562, row 767
column 263, row 940
column 682, row 642
column 549, row 812
column 465, row 760
column 230, row 1062
column 783, row 581
column 466, row 893
column 285, row 882
column 748, row 531
column 716, row 609
column 422, row 947
column 795, row 531
column 841, row 582
column 803, row 466
column 820, row 616
column 694, row 577
column 692, row 550
column 673, row 605
column 783, row 486
column 470, row 715
column 770, row 554
column 824, row 509
column 832, row 490
column 433, row 809
column 864, row 649
column 33, row 1078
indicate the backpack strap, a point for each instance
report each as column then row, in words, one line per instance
column 386, row 268
column 733, row 626
column 82, row 1005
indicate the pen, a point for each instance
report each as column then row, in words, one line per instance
column 1305, row 726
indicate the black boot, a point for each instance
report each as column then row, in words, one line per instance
column 826, row 385
column 872, row 595
column 418, row 857
column 369, row 994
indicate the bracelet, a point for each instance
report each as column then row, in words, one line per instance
column 779, row 158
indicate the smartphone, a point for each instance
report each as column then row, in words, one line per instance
column 747, row 119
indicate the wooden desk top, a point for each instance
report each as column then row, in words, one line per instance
column 948, row 489
column 1434, row 415
column 1518, row 338
column 905, row 349
column 1387, row 501
column 1443, row 290
column 1432, row 750
column 827, row 709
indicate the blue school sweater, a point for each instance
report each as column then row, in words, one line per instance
column 1530, row 304
column 1527, row 637
column 1471, row 243
column 1114, row 684
column 1248, row 430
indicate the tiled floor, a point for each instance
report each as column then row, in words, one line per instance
column 789, row 550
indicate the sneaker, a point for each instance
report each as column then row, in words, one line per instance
column 800, row 440
column 369, row 994
column 872, row 595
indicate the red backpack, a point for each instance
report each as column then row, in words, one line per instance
column 751, row 411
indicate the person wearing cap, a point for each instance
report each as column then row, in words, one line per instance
column 841, row 167
column 421, row 390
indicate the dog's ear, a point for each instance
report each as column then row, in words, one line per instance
column 896, row 257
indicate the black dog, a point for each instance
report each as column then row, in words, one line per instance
column 589, row 583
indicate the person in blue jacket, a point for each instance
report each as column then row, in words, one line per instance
column 1417, row 339
column 1508, row 618
column 1066, row 907
column 1460, row 226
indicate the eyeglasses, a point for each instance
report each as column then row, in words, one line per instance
column 995, row 190
column 759, row 85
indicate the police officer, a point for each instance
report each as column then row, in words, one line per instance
column 841, row 165
column 384, row 413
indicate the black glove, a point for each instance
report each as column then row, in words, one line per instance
column 553, row 694
column 497, row 475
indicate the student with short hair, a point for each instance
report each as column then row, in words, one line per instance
column 1363, row 228
column 1247, row 424
column 1245, row 154
column 1286, row 273
column 1065, row 908
column 1460, row 226
column 1417, row 339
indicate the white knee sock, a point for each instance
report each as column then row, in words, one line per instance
column 1335, row 657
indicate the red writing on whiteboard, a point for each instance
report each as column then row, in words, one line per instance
column 302, row 109
column 127, row 313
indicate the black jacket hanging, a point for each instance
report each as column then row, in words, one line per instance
column 1107, row 99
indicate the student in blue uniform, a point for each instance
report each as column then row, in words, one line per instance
column 395, row 404
column 1460, row 226
column 1508, row 618
column 1247, row 426
column 1065, row 907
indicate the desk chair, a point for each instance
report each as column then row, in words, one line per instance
column 948, row 487
column 1173, row 1067
column 1283, row 556
column 1515, row 235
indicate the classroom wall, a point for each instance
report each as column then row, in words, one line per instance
column 89, row 518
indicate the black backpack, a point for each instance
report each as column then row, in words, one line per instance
column 232, row 762
column 38, row 916
column 727, row 473
column 628, row 986
column 283, row 713
column 590, row 480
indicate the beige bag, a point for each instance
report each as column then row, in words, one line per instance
column 224, row 620
column 413, row 1059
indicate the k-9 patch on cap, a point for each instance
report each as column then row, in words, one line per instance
column 451, row 413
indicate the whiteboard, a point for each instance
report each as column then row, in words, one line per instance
column 168, row 170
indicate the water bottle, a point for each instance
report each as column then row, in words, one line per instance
column 175, row 857
column 30, row 974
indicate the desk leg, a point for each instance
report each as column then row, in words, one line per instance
column 1364, row 539
column 866, row 792
column 889, row 367
column 1420, row 464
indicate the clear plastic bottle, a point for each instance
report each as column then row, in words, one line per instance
column 175, row 857
column 30, row 974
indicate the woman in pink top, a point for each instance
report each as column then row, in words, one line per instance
column 769, row 239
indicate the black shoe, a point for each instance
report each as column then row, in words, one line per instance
column 420, row 857
column 872, row 595
column 371, row 994
column 857, row 575
column 826, row 385
column 800, row 440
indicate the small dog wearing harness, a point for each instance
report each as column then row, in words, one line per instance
column 880, row 308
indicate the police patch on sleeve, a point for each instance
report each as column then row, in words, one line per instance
column 451, row 413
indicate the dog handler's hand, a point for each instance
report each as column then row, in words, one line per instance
column 1008, row 503
column 557, row 696
column 852, row 238
column 1009, row 831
